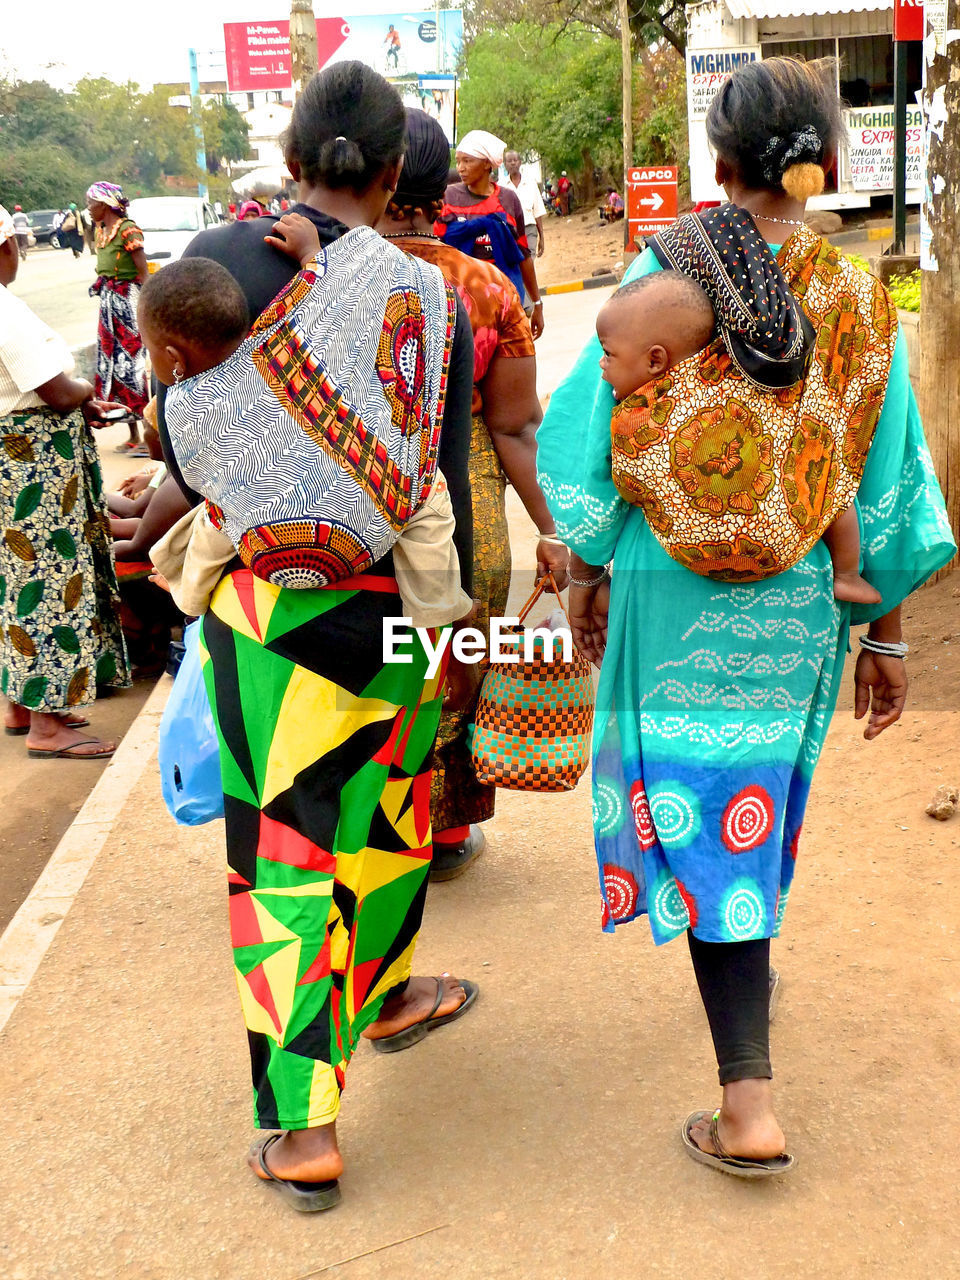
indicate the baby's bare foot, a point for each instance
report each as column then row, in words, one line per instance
column 854, row 589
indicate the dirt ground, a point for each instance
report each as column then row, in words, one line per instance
column 578, row 247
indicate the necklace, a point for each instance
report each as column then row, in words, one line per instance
column 784, row 222
column 408, row 235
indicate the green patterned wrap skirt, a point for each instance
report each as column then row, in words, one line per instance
column 60, row 631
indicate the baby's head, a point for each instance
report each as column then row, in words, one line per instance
column 192, row 315
column 650, row 325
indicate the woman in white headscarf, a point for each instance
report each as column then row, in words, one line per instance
column 59, row 606
column 486, row 220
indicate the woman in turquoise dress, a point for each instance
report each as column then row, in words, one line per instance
column 715, row 698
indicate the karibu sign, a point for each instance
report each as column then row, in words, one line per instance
column 395, row 44
column 651, row 199
column 870, row 153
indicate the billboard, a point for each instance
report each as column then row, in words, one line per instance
column 421, row 42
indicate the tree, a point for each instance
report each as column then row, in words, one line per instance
column 226, row 133
column 940, row 308
column 650, row 20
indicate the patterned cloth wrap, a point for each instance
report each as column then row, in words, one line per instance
column 317, row 440
column 738, row 483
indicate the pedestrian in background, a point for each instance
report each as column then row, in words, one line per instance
column 121, row 270
column 485, row 220
column 564, row 194
column 60, row 608
column 534, row 212
column 70, row 231
column 505, row 413
column 21, row 227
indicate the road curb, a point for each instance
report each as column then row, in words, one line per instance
column 882, row 232
column 575, row 286
column 27, row 937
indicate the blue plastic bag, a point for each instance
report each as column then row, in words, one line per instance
column 189, row 751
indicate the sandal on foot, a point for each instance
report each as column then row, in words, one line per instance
column 774, row 997
column 73, row 752
column 420, row 1030
column 739, row 1166
column 21, row 730
column 452, row 860
column 306, row 1197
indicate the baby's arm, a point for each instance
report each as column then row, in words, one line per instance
column 297, row 236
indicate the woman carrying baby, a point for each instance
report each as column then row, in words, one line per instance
column 317, row 441
column 710, row 478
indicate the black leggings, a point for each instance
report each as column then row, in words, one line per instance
column 734, row 982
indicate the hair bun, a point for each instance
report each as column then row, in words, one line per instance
column 341, row 156
column 801, row 149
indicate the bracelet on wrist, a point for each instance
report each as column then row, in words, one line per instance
column 886, row 648
column 590, row 582
column 552, row 538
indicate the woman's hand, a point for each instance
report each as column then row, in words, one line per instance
column 552, row 558
column 880, row 684
column 93, row 411
column 588, row 608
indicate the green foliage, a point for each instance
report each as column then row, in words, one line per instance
column 557, row 92
column 558, row 97
column 53, row 143
column 904, row 290
column 225, row 133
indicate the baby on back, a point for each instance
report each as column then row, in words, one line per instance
column 653, row 324
column 193, row 319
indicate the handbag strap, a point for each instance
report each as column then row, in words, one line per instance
column 538, row 590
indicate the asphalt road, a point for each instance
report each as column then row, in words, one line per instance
column 54, row 284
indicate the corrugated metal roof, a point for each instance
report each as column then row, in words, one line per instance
column 803, row 8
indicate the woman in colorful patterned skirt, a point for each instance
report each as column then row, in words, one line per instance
column 505, row 414
column 60, row 631
column 325, row 747
column 121, row 270
column 715, row 695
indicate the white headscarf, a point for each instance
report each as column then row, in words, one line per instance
column 7, row 229
column 483, row 145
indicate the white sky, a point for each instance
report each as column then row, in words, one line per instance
column 57, row 40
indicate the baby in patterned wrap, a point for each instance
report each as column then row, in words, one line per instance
column 425, row 558
column 652, row 324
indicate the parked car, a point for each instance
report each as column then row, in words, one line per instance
column 41, row 224
column 169, row 223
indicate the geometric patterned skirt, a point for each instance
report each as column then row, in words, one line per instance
column 325, row 758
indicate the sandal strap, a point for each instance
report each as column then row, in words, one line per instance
column 437, row 1003
column 261, row 1151
column 718, row 1146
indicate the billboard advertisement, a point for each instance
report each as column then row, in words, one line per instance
column 419, row 42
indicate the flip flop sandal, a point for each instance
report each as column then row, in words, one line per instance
column 774, row 996
column 138, row 451
column 452, row 860
column 722, row 1161
column 306, row 1197
column 420, row 1030
column 71, row 753
column 21, row 730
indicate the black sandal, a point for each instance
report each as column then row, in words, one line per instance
column 739, row 1166
column 420, row 1030
column 306, row 1197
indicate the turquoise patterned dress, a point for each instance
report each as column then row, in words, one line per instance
column 714, row 700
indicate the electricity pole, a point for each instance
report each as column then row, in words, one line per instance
column 940, row 251
column 304, row 58
column 626, row 50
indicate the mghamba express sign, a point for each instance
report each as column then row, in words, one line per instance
column 707, row 69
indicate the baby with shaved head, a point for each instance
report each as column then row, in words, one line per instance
column 652, row 324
